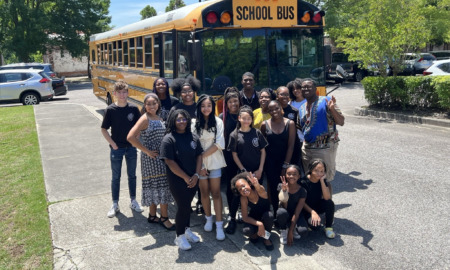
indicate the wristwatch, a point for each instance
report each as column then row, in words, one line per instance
column 243, row 170
column 285, row 165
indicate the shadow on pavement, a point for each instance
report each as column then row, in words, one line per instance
column 348, row 183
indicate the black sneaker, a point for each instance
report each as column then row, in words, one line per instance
column 231, row 227
column 199, row 209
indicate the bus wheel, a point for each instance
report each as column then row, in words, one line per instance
column 108, row 100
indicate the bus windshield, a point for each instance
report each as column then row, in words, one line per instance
column 274, row 56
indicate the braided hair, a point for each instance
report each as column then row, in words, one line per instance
column 200, row 123
column 172, row 121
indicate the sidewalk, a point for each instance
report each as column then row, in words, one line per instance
column 77, row 179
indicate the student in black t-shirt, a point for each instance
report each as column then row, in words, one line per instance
column 292, row 199
column 161, row 88
column 248, row 95
column 318, row 200
column 229, row 117
column 181, row 151
column 247, row 144
column 255, row 208
column 186, row 88
column 121, row 117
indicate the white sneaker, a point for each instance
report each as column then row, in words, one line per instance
column 114, row 209
column 220, row 235
column 190, row 236
column 283, row 236
column 209, row 224
column 182, row 242
column 296, row 235
column 134, row 205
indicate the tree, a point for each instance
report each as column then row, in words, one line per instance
column 147, row 12
column 174, row 4
column 437, row 14
column 378, row 31
column 30, row 27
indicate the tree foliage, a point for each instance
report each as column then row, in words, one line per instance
column 437, row 14
column 30, row 27
column 378, row 31
column 174, row 4
column 147, row 12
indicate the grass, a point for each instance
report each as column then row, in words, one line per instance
column 24, row 223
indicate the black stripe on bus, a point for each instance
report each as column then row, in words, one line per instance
column 130, row 86
column 153, row 73
column 136, row 101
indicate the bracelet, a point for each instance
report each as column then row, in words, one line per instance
column 285, row 165
column 243, row 170
column 196, row 174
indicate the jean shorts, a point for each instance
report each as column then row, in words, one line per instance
column 213, row 174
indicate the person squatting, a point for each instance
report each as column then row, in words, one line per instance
column 284, row 141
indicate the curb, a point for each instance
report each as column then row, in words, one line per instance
column 403, row 117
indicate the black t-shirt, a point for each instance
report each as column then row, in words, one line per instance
column 314, row 192
column 248, row 147
column 229, row 124
column 120, row 120
column 183, row 149
column 252, row 102
column 292, row 113
column 189, row 108
column 293, row 200
column 166, row 105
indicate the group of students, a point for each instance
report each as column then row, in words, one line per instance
column 258, row 137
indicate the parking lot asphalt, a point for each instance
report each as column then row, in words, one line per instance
column 77, row 178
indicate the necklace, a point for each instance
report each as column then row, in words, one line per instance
column 251, row 100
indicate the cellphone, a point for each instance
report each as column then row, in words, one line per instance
column 267, row 235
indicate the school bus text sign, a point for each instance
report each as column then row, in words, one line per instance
column 265, row 13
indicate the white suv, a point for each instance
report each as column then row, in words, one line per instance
column 25, row 85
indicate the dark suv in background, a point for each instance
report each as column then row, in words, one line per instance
column 355, row 72
column 58, row 84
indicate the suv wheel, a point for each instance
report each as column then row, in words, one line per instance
column 30, row 99
column 359, row 76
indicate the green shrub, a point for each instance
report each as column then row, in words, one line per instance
column 408, row 92
column 442, row 86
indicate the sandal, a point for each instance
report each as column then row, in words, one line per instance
column 153, row 219
column 164, row 219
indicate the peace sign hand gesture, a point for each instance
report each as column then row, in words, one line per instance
column 252, row 179
column 284, row 184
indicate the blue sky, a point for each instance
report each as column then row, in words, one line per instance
column 124, row 12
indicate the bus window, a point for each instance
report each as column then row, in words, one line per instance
column 156, row 51
column 110, row 52
column 93, row 56
column 105, row 54
column 99, row 54
column 115, row 53
column 125, row 53
column 183, row 55
column 168, row 55
column 231, row 53
column 132, row 53
column 139, row 52
column 148, row 51
column 294, row 54
column 119, row 52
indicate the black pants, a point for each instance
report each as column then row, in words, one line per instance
column 284, row 220
column 183, row 197
column 228, row 173
column 266, row 219
column 324, row 206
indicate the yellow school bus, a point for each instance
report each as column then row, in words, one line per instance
column 216, row 42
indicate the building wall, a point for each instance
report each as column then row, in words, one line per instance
column 65, row 64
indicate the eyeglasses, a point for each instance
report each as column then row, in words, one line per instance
column 186, row 91
column 284, row 94
column 307, row 87
column 264, row 97
column 181, row 120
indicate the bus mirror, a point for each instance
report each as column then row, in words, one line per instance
column 195, row 53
